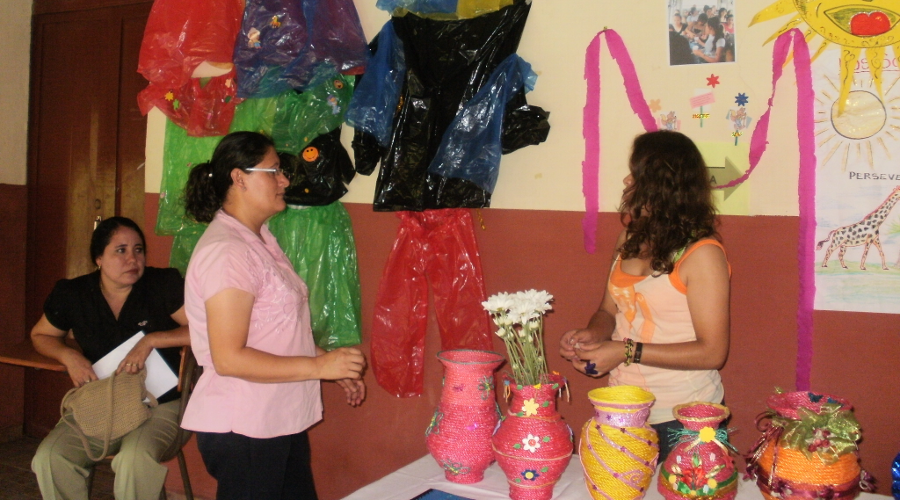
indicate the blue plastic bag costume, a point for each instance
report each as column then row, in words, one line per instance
column 471, row 147
column 373, row 105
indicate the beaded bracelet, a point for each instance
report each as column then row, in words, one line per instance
column 629, row 351
column 638, row 350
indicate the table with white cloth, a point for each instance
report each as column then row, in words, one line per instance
column 424, row 474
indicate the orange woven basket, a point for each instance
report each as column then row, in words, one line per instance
column 785, row 472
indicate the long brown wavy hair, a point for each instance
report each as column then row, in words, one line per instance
column 669, row 205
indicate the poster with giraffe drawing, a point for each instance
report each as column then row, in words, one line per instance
column 857, row 186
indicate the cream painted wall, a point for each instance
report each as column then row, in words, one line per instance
column 15, row 38
column 548, row 176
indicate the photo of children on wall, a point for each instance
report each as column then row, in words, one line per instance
column 701, row 33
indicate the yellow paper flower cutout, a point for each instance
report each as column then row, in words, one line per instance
column 530, row 407
column 707, row 434
column 170, row 96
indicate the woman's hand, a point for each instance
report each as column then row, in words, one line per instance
column 80, row 370
column 355, row 390
column 598, row 359
column 584, row 338
column 341, row 363
column 135, row 360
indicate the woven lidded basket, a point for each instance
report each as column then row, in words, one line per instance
column 808, row 450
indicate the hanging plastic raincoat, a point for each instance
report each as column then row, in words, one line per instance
column 373, row 105
column 463, row 9
column 301, row 117
column 319, row 173
column 319, row 243
column 447, row 63
column 296, row 45
column 179, row 36
column 437, row 248
column 471, row 147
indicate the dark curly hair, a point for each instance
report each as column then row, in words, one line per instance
column 669, row 204
column 208, row 183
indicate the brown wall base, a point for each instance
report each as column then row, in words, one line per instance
column 855, row 354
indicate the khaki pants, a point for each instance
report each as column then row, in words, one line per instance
column 63, row 468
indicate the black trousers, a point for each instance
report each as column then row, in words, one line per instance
column 258, row 469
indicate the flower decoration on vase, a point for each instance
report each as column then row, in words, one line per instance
column 700, row 463
column 532, row 444
column 808, row 449
column 459, row 435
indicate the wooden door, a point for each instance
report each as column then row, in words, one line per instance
column 86, row 154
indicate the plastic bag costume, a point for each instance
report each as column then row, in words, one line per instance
column 179, row 36
column 445, row 64
column 297, row 45
column 436, row 94
column 317, row 238
column 437, row 248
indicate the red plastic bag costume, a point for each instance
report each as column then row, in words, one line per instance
column 435, row 247
column 180, row 35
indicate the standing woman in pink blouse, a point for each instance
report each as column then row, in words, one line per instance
column 250, row 330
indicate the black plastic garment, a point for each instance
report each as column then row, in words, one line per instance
column 319, row 172
column 447, row 64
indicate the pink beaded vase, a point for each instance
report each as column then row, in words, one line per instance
column 532, row 444
column 459, row 436
column 700, row 465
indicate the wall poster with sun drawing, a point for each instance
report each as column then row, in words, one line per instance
column 857, row 129
column 857, row 188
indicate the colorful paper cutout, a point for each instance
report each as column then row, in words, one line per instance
column 739, row 120
column 712, row 81
column 669, row 121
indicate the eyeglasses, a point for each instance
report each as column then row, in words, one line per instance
column 274, row 171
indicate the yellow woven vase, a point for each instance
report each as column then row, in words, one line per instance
column 618, row 449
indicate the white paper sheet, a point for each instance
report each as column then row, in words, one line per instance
column 160, row 378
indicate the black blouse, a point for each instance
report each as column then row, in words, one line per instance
column 79, row 305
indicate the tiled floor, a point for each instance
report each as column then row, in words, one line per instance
column 17, row 482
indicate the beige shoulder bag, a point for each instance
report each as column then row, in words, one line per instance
column 107, row 409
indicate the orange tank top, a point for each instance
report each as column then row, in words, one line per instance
column 654, row 310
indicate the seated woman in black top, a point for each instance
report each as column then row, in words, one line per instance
column 102, row 310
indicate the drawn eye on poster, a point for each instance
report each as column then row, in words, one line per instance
column 857, row 186
column 701, row 34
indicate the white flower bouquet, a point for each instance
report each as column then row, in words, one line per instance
column 520, row 321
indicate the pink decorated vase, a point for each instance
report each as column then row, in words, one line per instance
column 459, row 436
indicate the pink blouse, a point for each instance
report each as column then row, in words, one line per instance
column 230, row 255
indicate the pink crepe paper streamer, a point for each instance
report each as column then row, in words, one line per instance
column 806, row 190
column 806, row 186
column 702, row 100
column 590, row 173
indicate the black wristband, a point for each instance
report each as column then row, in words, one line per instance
column 638, row 349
